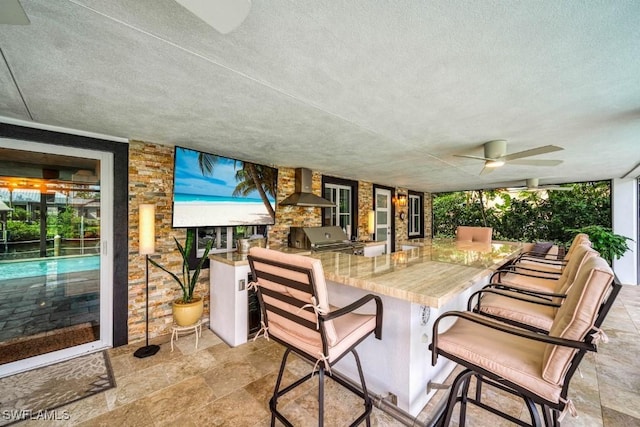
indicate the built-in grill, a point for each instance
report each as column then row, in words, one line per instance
column 323, row 239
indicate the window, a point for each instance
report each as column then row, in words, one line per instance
column 416, row 219
column 344, row 193
column 341, row 214
column 224, row 238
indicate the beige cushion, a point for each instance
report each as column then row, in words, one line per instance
column 474, row 234
column 537, row 315
column 579, row 239
column 516, row 359
column 576, row 316
column 547, row 284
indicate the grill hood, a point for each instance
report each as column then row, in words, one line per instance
column 303, row 195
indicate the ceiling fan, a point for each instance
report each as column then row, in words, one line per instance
column 532, row 184
column 495, row 156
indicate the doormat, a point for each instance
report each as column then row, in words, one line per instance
column 35, row 394
column 46, row 342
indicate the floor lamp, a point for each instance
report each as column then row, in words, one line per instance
column 147, row 234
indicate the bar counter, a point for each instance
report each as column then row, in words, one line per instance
column 416, row 285
column 430, row 274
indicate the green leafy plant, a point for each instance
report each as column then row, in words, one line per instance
column 603, row 240
column 188, row 279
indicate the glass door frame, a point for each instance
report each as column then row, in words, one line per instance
column 390, row 237
column 106, row 159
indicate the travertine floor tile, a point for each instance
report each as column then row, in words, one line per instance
column 217, row 385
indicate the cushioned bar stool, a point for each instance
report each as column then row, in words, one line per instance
column 521, row 303
column 474, row 234
column 552, row 263
column 537, row 367
column 296, row 313
column 524, row 308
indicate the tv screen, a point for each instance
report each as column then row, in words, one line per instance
column 211, row 190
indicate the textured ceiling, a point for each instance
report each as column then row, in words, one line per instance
column 382, row 91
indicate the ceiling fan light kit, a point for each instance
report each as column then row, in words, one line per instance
column 495, row 156
column 493, row 163
column 223, row 15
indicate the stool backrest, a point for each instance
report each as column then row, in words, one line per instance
column 292, row 291
column 577, row 316
column 581, row 253
column 474, row 234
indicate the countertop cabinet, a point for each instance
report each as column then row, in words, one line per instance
column 375, row 249
column 228, row 302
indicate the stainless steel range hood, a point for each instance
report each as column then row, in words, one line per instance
column 303, row 195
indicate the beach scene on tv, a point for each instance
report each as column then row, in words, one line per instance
column 211, row 190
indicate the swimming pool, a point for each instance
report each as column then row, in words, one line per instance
column 48, row 266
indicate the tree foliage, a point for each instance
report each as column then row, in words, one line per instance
column 527, row 216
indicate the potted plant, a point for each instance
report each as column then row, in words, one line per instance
column 187, row 309
column 603, row 240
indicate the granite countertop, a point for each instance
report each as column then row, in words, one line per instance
column 429, row 275
column 237, row 259
column 372, row 242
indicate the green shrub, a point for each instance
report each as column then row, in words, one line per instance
column 20, row 231
column 603, row 240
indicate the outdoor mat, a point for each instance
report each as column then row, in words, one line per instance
column 35, row 394
column 45, row 342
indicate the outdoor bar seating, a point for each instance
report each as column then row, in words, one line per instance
column 528, row 300
column 550, row 261
column 542, row 280
column 474, row 234
column 296, row 313
column 535, row 366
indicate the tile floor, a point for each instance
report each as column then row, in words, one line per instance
column 222, row 386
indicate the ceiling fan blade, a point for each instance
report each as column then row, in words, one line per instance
column 534, row 162
column 12, row 13
column 533, row 152
column 471, row 157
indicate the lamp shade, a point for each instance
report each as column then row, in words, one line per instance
column 371, row 225
column 147, row 228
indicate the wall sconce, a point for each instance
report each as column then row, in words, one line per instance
column 401, row 200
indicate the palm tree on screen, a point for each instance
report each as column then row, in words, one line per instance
column 249, row 177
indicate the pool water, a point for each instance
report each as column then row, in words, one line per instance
column 48, row 266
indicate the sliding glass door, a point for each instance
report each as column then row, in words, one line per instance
column 55, row 260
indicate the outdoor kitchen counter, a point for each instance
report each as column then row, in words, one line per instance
column 415, row 285
column 430, row 275
column 236, row 259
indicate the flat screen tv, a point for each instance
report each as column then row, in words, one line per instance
column 211, row 190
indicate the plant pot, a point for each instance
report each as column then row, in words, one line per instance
column 187, row 314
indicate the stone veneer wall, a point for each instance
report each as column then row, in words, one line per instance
column 365, row 204
column 151, row 181
column 297, row 216
column 402, row 225
column 428, row 215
